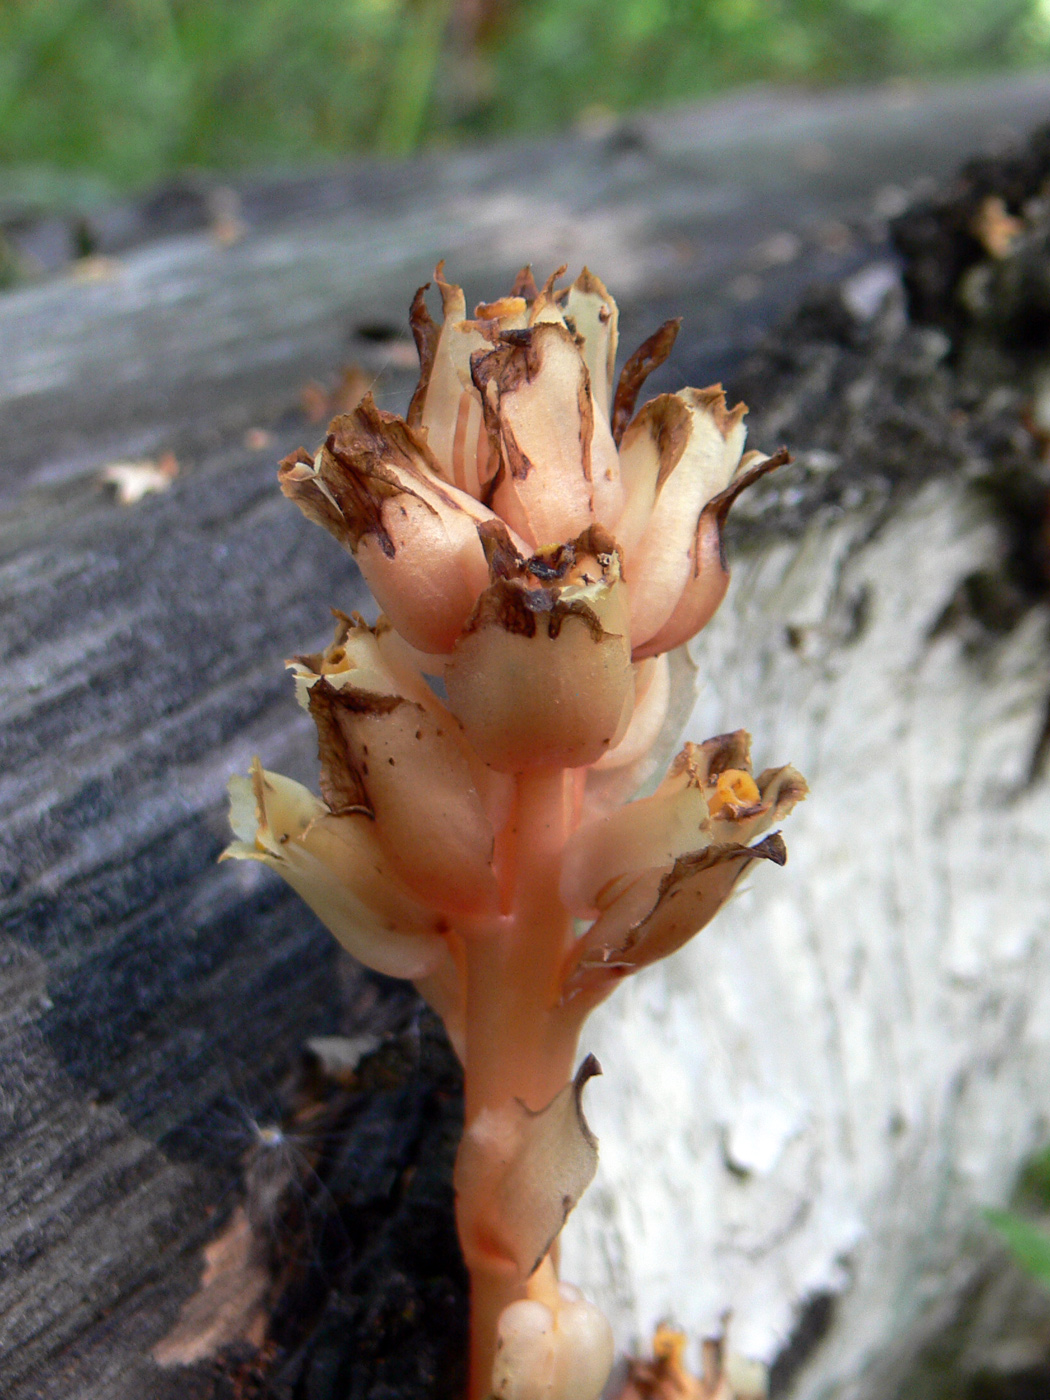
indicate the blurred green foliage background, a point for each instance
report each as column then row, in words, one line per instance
column 131, row 90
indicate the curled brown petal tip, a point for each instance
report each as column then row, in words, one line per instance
column 525, row 284
column 713, row 399
column 300, row 457
column 721, row 504
column 650, row 355
column 425, row 332
column 688, row 897
column 548, row 286
column 711, row 758
column 501, row 554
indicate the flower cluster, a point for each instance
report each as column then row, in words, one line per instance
column 537, row 548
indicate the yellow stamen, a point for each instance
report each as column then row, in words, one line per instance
column 734, row 789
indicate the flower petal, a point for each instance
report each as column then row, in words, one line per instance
column 335, row 865
column 593, row 315
column 518, row 1175
column 624, row 939
column 708, row 575
column 446, row 405
column 415, row 538
column 409, row 765
column 679, row 452
column 652, row 692
column 541, row 676
column 650, row 355
column 558, row 470
column 604, row 857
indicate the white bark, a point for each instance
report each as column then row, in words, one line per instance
column 822, row 1092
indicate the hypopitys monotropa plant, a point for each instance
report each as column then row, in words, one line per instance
column 539, row 548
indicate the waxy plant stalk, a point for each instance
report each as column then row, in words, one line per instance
column 538, row 547
column 521, row 1042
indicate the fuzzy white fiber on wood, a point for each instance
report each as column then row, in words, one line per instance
column 821, row 1093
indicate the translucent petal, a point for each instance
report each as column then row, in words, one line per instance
column 678, row 453
column 594, row 316
column 541, row 678
column 335, row 864
column 519, row 1173
column 558, row 466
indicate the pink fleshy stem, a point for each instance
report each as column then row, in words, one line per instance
column 521, row 1043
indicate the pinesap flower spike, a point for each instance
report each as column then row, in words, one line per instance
column 537, row 548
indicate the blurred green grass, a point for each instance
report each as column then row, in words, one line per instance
column 120, row 93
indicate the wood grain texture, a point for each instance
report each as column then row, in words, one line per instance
column 141, row 986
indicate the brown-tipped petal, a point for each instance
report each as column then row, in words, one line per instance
column 518, row 1175
column 426, row 333
column 366, row 658
column 558, row 470
column 414, row 537
column 379, row 662
column 525, row 285
column 335, row 865
column 541, row 677
column 447, row 407
column 591, row 312
column 696, row 454
column 709, row 760
column 708, row 577
column 651, row 450
column 687, row 899
column 650, row 355
column 602, row 858
column 412, row 766
column 546, row 306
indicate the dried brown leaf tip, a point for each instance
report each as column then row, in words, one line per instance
column 537, row 547
column 666, row 1377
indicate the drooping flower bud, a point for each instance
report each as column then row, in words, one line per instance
column 653, row 888
column 680, row 451
column 374, row 487
column 336, row 864
column 389, row 746
column 541, row 677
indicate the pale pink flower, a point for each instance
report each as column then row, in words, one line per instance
column 537, row 548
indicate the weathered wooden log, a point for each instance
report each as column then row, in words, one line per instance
column 143, row 988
